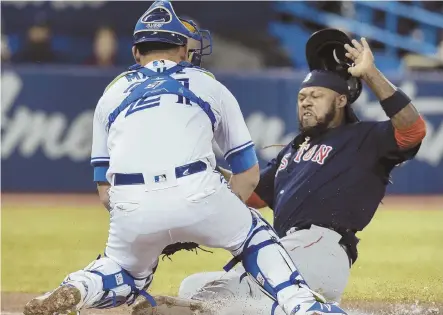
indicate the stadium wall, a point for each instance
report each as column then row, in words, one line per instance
column 47, row 119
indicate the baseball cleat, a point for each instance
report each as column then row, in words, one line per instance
column 318, row 308
column 60, row 301
column 168, row 305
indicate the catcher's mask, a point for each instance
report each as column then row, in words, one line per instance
column 325, row 51
column 161, row 24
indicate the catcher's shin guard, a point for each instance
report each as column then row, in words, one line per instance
column 102, row 284
column 116, row 286
column 268, row 263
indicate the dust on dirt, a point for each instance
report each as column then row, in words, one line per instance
column 12, row 304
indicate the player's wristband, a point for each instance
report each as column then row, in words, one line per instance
column 395, row 103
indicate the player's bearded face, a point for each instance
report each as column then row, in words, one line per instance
column 316, row 110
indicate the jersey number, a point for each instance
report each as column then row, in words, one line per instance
column 180, row 100
column 185, row 83
column 150, row 102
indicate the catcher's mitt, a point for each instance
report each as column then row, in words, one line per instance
column 173, row 248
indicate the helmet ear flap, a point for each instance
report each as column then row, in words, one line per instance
column 355, row 87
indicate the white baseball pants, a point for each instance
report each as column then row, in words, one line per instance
column 200, row 209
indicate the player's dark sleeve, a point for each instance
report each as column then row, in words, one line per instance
column 263, row 194
column 265, row 187
column 382, row 135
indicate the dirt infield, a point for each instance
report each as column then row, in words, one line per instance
column 12, row 304
column 434, row 202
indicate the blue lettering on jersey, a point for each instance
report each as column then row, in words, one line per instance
column 142, row 95
column 185, row 83
column 141, row 104
column 132, row 76
column 136, row 76
column 131, row 87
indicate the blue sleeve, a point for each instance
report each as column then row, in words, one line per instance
column 242, row 160
column 100, row 173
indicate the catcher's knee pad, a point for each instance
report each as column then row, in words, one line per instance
column 265, row 259
column 104, row 284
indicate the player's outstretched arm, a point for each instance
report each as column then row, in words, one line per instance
column 254, row 200
column 244, row 183
column 232, row 136
column 410, row 128
column 100, row 154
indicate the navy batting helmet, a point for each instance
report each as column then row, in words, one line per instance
column 325, row 51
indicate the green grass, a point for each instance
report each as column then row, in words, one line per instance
column 401, row 255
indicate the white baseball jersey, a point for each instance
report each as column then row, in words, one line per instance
column 168, row 130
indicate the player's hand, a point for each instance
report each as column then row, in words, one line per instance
column 362, row 56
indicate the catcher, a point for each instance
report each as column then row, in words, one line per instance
column 326, row 184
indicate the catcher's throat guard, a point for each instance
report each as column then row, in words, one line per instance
column 325, row 51
column 160, row 24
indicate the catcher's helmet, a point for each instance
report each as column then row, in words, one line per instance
column 161, row 24
column 325, row 51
